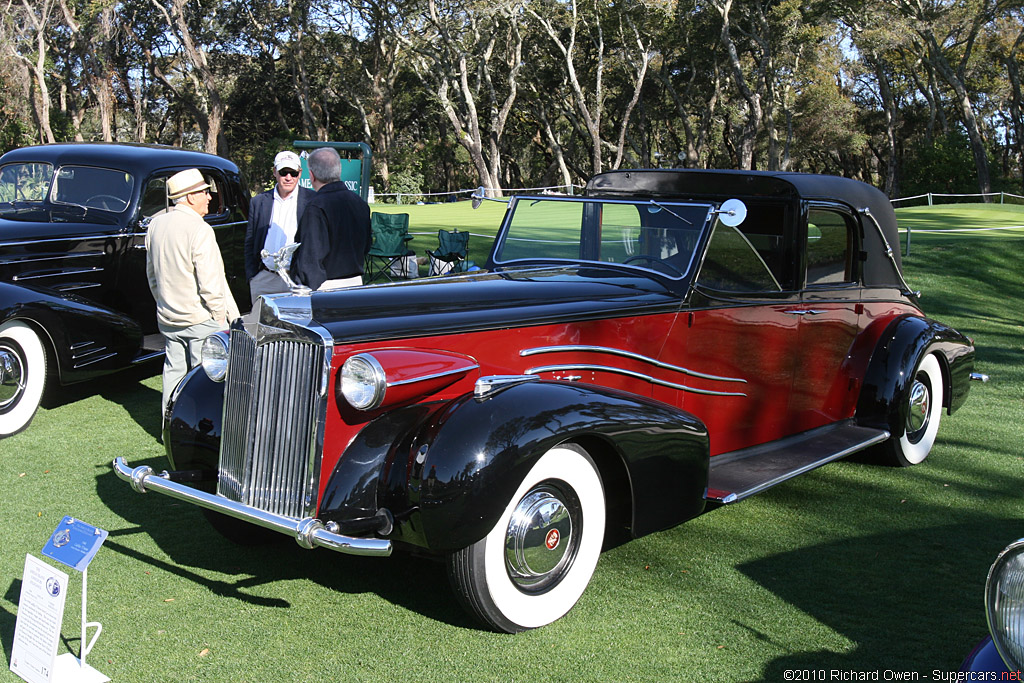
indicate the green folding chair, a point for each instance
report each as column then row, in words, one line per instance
column 451, row 253
column 389, row 251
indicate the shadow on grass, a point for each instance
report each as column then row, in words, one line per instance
column 886, row 593
column 192, row 546
column 123, row 388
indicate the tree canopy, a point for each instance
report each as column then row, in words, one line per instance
column 909, row 95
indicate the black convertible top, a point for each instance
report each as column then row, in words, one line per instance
column 719, row 185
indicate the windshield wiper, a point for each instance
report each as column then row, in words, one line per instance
column 665, row 208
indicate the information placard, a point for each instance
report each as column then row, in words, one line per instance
column 40, row 614
column 74, row 543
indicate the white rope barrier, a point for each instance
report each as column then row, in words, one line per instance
column 562, row 189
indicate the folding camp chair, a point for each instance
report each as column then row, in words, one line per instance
column 450, row 255
column 389, row 251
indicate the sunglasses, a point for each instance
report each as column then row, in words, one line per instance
column 289, row 172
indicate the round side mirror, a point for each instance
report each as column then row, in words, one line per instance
column 732, row 212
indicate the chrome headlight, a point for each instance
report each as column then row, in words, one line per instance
column 214, row 356
column 1004, row 604
column 362, row 382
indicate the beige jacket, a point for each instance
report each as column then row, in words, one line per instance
column 185, row 270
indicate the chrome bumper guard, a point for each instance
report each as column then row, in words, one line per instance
column 308, row 532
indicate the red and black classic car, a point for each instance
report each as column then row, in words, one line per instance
column 670, row 341
column 74, row 300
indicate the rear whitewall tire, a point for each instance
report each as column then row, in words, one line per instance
column 23, row 378
column 489, row 579
column 924, row 400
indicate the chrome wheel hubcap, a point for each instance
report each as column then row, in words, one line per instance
column 541, row 539
column 12, row 377
column 917, row 413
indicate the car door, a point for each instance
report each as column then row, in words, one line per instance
column 830, row 313
column 223, row 216
column 737, row 338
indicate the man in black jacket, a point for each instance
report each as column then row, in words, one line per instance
column 273, row 219
column 334, row 232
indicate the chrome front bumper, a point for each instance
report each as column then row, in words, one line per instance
column 308, row 532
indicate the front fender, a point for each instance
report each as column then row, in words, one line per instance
column 192, row 426
column 470, row 457
column 87, row 340
column 901, row 347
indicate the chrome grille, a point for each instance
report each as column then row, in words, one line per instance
column 272, row 408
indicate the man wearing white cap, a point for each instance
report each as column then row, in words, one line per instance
column 186, row 276
column 273, row 217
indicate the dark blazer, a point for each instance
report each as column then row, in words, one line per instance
column 261, row 208
column 333, row 236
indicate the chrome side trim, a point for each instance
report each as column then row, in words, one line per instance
column 436, row 375
column 308, row 533
column 67, row 238
column 58, row 273
column 55, row 257
column 805, row 311
column 93, row 361
column 488, row 386
column 630, row 373
column 149, row 356
column 574, row 348
column 77, row 286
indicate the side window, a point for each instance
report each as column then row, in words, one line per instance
column 217, row 189
column 154, row 197
column 830, row 248
column 751, row 257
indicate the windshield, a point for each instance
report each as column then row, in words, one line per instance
column 24, row 182
column 656, row 235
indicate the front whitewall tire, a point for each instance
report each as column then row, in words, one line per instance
column 23, row 379
column 482, row 575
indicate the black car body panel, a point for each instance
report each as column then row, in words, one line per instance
column 72, row 253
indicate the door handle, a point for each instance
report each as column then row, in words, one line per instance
column 805, row 311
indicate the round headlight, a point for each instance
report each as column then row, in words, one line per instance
column 1004, row 604
column 215, row 356
column 362, row 382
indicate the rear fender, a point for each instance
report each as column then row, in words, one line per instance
column 449, row 483
column 902, row 346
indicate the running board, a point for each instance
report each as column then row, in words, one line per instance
column 152, row 347
column 739, row 474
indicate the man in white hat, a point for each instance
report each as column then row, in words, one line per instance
column 273, row 218
column 186, row 276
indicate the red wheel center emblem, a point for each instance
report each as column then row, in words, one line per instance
column 551, row 540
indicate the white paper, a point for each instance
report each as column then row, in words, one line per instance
column 40, row 615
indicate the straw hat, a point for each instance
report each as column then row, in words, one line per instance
column 185, row 182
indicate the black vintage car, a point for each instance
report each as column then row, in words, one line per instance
column 74, row 300
column 669, row 342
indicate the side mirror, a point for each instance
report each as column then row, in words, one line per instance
column 478, row 196
column 732, row 212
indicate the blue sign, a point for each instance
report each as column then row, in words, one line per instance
column 74, row 543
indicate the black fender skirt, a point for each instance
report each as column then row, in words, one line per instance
column 450, row 470
column 902, row 346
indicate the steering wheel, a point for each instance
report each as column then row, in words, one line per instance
column 655, row 260
column 107, row 202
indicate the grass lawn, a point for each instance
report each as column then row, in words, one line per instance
column 852, row 567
